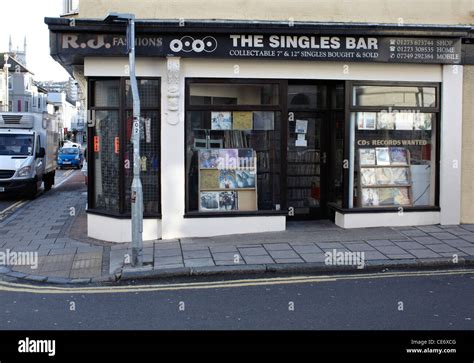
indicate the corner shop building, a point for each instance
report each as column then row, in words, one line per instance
column 358, row 123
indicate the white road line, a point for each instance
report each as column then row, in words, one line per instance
column 16, row 287
column 67, row 177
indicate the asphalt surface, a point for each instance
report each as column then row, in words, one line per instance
column 11, row 203
column 344, row 303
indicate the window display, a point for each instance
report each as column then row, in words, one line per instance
column 233, row 153
column 395, row 163
column 395, row 158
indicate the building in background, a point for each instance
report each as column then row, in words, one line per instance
column 24, row 95
column 256, row 112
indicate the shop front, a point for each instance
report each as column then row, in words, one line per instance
column 244, row 128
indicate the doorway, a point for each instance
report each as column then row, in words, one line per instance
column 315, row 148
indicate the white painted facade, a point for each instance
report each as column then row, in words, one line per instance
column 173, row 72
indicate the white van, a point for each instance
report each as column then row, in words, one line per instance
column 28, row 152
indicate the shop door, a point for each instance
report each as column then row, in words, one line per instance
column 306, row 165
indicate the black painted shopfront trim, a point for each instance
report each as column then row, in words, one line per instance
column 264, row 213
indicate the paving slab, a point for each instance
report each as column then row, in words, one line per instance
column 443, row 235
column 442, row 248
column 199, row 262
column 169, row 260
column 313, row 257
column 469, row 238
column 359, row 247
column 282, row 246
column 227, row 256
column 392, row 250
column 197, row 254
column 253, row 251
column 289, row 260
column 426, row 253
column 284, row 254
column 410, row 245
column 257, row 260
column 307, row 249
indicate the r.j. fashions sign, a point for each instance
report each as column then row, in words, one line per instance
column 297, row 47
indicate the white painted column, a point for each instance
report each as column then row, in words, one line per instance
column 172, row 150
column 451, row 144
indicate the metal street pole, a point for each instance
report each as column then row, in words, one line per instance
column 137, row 190
column 7, row 89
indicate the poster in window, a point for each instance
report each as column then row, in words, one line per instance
column 367, row 176
column 370, row 197
column 209, row 179
column 242, row 120
column 227, row 179
column 245, row 178
column 386, row 196
column 366, row 120
column 383, row 156
column 367, row 156
column 263, row 120
column 209, row 201
column 384, row 176
column 399, row 156
column 221, row 121
column 423, row 121
column 385, row 121
column 401, row 196
column 404, row 120
column 400, row 176
column 208, row 158
column 228, row 201
column 228, row 158
column 301, row 126
column 246, row 158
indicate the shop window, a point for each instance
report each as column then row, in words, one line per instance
column 307, row 96
column 393, row 96
column 233, row 160
column 105, row 166
column 394, row 150
column 233, row 94
column 111, row 169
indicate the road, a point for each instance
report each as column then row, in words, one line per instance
column 400, row 301
column 10, row 204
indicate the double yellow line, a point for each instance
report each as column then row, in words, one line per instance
column 34, row 289
column 12, row 207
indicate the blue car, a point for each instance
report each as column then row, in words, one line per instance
column 70, row 157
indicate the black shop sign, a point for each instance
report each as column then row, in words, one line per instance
column 238, row 46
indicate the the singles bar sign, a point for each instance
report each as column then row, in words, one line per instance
column 297, row 47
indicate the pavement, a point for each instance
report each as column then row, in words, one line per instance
column 54, row 227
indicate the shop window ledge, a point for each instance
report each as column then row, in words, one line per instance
column 235, row 214
column 120, row 216
column 341, row 210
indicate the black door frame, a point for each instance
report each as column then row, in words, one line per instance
column 327, row 170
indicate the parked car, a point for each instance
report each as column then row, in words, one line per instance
column 70, row 157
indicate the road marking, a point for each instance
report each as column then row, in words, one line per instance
column 12, row 206
column 34, row 289
column 67, row 175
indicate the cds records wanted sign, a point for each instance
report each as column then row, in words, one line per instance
column 297, row 47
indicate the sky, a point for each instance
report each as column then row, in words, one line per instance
column 26, row 18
